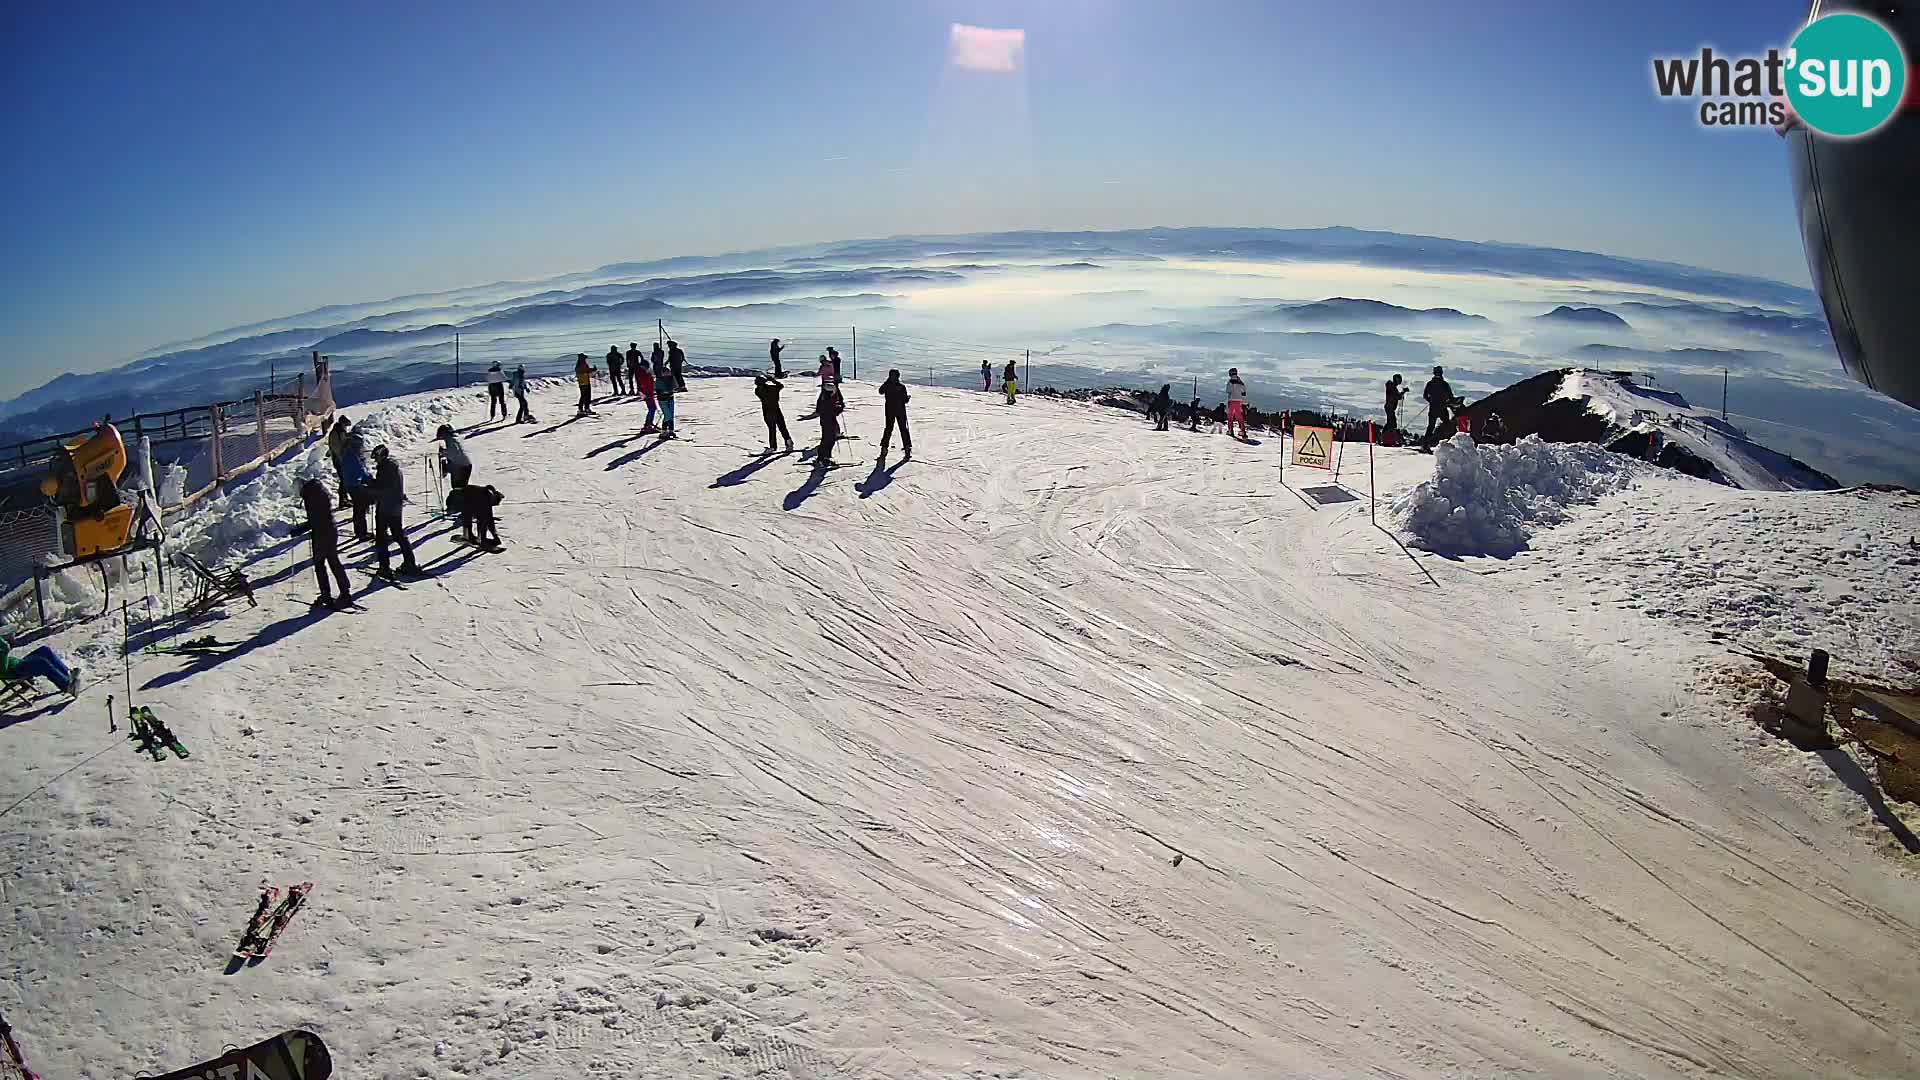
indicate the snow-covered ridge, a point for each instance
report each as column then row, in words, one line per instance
column 1644, row 410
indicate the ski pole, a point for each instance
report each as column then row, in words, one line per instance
column 126, row 649
column 111, row 726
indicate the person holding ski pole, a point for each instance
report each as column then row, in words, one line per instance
column 458, row 469
column 496, row 391
column 768, row 391
column 323, row 537
column 1396, row 393
column 828, row 409
column 894, row 392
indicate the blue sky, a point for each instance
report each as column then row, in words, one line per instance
column 182, row 168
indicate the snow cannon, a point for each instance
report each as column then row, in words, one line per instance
column 1860, row 224
column 84, row 479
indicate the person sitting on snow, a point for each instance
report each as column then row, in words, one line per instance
column 41, row 663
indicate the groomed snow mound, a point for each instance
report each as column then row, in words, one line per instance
column 1487, row 500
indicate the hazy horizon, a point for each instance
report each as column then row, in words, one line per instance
column 178, row 174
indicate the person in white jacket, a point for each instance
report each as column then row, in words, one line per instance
column 496, row 390
column 457, row 467
column 1236, row 403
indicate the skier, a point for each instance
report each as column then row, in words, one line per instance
column 455, row 464
column 583, row 374
column 1439, row 397
column 525, row 415
column 389, row 498
column 986, row 375
column 895, row 394
column 633, row 367
column 826, row 371
column 1236, row 403
column 1396, row 393
column 475, row 505
column 496, row 391
column 828, row 409
column 676, row 361
column 616, row 371
column 1160, row 409
column 1193, row 415
column 768, row 391
column 1010, row 382
column 355, row 477
column 665, row 381
column 773, row 353
column 44, row 663
column 833, row 355
column 324, row 539
column 644, row 386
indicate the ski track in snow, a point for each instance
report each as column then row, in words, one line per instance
column 893, row 783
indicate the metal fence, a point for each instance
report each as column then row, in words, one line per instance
column 180, row 455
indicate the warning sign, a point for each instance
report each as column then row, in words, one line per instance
column 1313, row 446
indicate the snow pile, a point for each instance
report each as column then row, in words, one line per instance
column 1485, row 500
column 256, row 514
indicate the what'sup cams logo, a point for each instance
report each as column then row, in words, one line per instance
column 1843, row 75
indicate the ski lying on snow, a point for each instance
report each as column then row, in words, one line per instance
column 255, row 925
column 290, row 1055
column 295, row 899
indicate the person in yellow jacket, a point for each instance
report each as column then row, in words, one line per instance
column 583, row 374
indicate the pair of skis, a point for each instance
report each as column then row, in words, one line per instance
column 268, row 922
column 151, row 735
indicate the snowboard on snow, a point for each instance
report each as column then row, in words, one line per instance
column 291, row 1055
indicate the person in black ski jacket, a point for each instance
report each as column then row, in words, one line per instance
column 616, row 370
column 324, row 539
column 1439, row 398
column 1161, row 410
column 768, row 391
column 633, row 367
column 475, row 504
column 828, row 410
column 894, row 392
column 676, row 363
column 1396, row 393
column 773, row 353
column 1193, row 415
column 389, row 498
column 986, row 375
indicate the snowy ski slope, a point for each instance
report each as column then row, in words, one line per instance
column 1067, row 750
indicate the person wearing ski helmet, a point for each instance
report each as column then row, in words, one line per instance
column 1396, row 393
column 389, row 500
column 324, row 540
column 768, row 391
column 1236, row 403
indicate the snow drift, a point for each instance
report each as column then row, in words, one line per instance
column 1486, row 500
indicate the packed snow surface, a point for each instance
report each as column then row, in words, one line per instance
column 1067, row 749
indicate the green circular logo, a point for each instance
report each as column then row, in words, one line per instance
column 1845, row 74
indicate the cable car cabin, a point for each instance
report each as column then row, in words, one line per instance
column 84, row 480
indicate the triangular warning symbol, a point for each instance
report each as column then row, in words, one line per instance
column 1312, row 447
